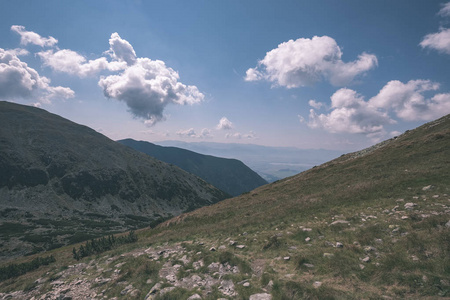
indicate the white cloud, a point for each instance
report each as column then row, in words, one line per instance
column 18, row 80
column 224, row 124
column 350, row 113
column 445, row 10
column 238, row 135
column 187, row 133
column 206, row 133
column 304, row 62
column 30, row 37
column 409, row 103
column 68, row 61
column 316, row 105
column 191, row 133
column 439, row 41
column 121, row 50
column 147, row 87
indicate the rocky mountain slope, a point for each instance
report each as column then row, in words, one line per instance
column 229, row 175
column 373, row 224
column 58, row 175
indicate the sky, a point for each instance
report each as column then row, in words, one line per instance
column 338, row 75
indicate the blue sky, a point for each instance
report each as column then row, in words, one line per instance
column 310, row 74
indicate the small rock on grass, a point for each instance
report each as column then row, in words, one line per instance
column 317, row 284
column 261, row 296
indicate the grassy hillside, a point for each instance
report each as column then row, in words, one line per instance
column 61, row 182
column 229, row 175
column 373, row 224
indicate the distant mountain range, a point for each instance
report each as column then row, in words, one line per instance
column 55, row 170
column 272, row 163
column 229, row 175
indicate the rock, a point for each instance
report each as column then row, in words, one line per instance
column 195, row 296
column 426, row 188
column 261, row 296
column 317, row 284
column 286, row 258
column 307, row 229
column 339, row 222
column 212, row 249
column 222, row 247
column 155, row 289
column 166, row 290
column 435, row 196
column 366, row 259
column 240, row 246
column 227, row 288
column 328, row 255
column 379, row 241
column 410, row 205
column 307, row 239
column 269, row 286
column 361, row 266
column 126, row 289
column 339, row 245
column 232, row 243
column 369, row 248
column 404, row 217
column 310, row 266
column 447, row 224
column 246, row 284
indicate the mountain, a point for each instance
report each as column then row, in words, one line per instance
column 57, row 175
column 229, row 175
column 271, row 163
column 373, row 224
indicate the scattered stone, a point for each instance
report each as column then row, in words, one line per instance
column 361, row 266
column 426, row 188
column 155, row 289
column 404, row 217
column 435, row 196
column 240, row 246
column 410, row 205
column 307, row 239
column 447, row 224
column 261, row 296
column 246, row 284
column 198, row 264
column 369, row 248
column 339, row 222
column 366, row 259
column 307, row 229
column 166, row 290
column 339, row 245
column 414, row 258
column 222, row 247
column 195, row 296
column 127, row 289
column 328, row 255
column 286, row 258
column 317, row 284
column 379, row 241
column 212, row 249
column 310, row 266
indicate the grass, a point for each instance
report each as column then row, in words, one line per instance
column 408, row 250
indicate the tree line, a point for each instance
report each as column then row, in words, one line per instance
column 96, row 246
column 14, row 270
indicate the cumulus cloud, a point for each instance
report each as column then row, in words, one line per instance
column 191, row 133
column 445, row 10
column 18, row 80
column 224, row 124
column 350, row 113
column 30, row 37
column 147, row 87
column 439, row 41
column 68, row 61
column 121, row 50
column 315, row 104
column 304, row 62
column 238, row 135
column 187, row 133
column 408, row 102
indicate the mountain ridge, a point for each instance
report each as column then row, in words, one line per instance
column 229, row 175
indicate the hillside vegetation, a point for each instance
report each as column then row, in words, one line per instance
column 228, row 175
column 373, row 224
column 61, row 182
